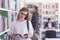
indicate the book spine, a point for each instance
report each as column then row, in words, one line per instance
column 3, row 28
column 3, row 3
column 1, row 23
column 6, row 4
column 0, row 3
column 12, row 7
column 6, row 23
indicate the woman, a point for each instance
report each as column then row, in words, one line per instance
column 19, row 27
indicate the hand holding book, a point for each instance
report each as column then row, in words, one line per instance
column 24, row 36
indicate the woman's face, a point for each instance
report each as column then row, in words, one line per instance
column 23, row 14
column 34, row 10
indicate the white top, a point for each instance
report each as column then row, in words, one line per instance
column 49, row 25
column 21, row 27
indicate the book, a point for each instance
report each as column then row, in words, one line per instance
column 15, row 5
column 12, row 16
column 12, row 7
column 3, row 3
column 2, row 37
column 6, row 27
column 1, row 23
column 0, row 3
column 3, row 26
column 6, row 4
column 16, row 15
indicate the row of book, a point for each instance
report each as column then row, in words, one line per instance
column 50, row 12
column 8, row 4
column 50, row 5
column 3, row 21
column 6, row 20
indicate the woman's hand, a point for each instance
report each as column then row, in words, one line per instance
column 46, row 28
column 13, row 35
column 30, row 35
column 26, row 36
column 53, row 28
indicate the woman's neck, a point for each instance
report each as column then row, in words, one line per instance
column 21, row 19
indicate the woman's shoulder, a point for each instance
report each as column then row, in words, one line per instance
column 23, row 21
column 14, row 21
column 28, row 21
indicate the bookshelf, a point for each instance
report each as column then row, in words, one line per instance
column 9, row 9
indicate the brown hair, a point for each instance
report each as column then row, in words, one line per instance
column 23, row 9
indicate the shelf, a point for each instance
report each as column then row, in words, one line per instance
column 49, row 9
column 52, row 38
column 4, row 32
column 51, row 20
column 43, row 30
column 49, row 14
column 7, row 10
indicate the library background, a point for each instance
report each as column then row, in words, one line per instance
column 47, row 9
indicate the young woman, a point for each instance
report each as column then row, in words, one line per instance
column 19, row 28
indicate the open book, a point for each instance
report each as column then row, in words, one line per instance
column 25, row 35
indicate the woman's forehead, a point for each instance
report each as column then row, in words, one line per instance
column 25, row 12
